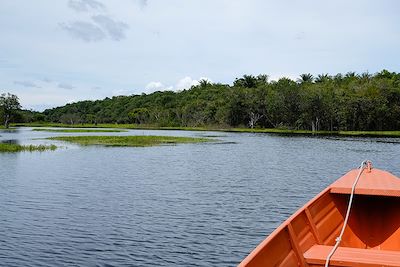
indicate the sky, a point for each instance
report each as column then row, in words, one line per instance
column 54, row 52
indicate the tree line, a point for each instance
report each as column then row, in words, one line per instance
column 348, row 101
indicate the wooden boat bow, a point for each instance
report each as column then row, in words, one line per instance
column 371, row 236
column 375, row 183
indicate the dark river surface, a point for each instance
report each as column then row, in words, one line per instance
column 203, row 204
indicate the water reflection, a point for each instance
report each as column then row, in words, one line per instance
column 9, row 141
column 184, row 205
column 11, row 130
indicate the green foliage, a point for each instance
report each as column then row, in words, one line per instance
column 306, row 78
column 132, row 141
column 9, row 104
column 139, row 115
column 1, row 118
column 218, row 128
column 250, row 81
column 6, row 147
column 343, row 102
column 78, row 130
column 28, row 116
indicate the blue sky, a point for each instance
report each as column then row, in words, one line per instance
column 55, row 52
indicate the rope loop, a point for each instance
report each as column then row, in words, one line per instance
column 366, row 164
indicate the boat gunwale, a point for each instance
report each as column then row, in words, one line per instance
column 330, row 189
column 281, row 227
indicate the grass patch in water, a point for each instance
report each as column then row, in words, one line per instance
column 7, row 129
column 79, row 130
column 371, row 133
column 129, row 141
column 5, row 147
column 309, row 132
column 111, row 125
column 217, row 129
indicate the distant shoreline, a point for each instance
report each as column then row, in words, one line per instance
column 215, row 129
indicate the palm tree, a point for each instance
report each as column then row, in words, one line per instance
column 306, row 78
column 321, row 78
column 262, row 79
column 248, row 81
column 366, row 76
column 203, row 83
column 385, row 74
column 350, row 74
column 338, row 78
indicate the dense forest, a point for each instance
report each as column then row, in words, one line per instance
column 341, row 102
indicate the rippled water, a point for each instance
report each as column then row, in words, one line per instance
column 183, row 205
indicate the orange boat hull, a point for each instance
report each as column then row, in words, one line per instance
column 371, row 238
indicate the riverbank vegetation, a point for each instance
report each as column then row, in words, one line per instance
column 130, row 141
column 215, row 129
column 9, row 104
column 79, row 130
column 330, row 133
column 342, row 102
column 4, row 129
column 9, row 147
column 116, row 126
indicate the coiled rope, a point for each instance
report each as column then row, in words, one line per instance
column 364, row 164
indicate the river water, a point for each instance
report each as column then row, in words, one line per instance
column 205, row 204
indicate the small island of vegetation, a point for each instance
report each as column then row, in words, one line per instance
column 7, row 147
column 79, row 130
column 129, row 141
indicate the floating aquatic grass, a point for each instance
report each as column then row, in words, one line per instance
column 129, row 141
column 79, row 130
column 245, row 130
column 6, row 129
column 6, row 147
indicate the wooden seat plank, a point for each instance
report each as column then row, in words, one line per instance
column 373, row 183
column 346, row 256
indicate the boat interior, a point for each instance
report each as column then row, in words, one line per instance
column 371, row 237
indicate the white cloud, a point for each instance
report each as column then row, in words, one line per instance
column 186, row 83
column 48, row 97
column 121, row 92
column 152, row 87
column 70, row 101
